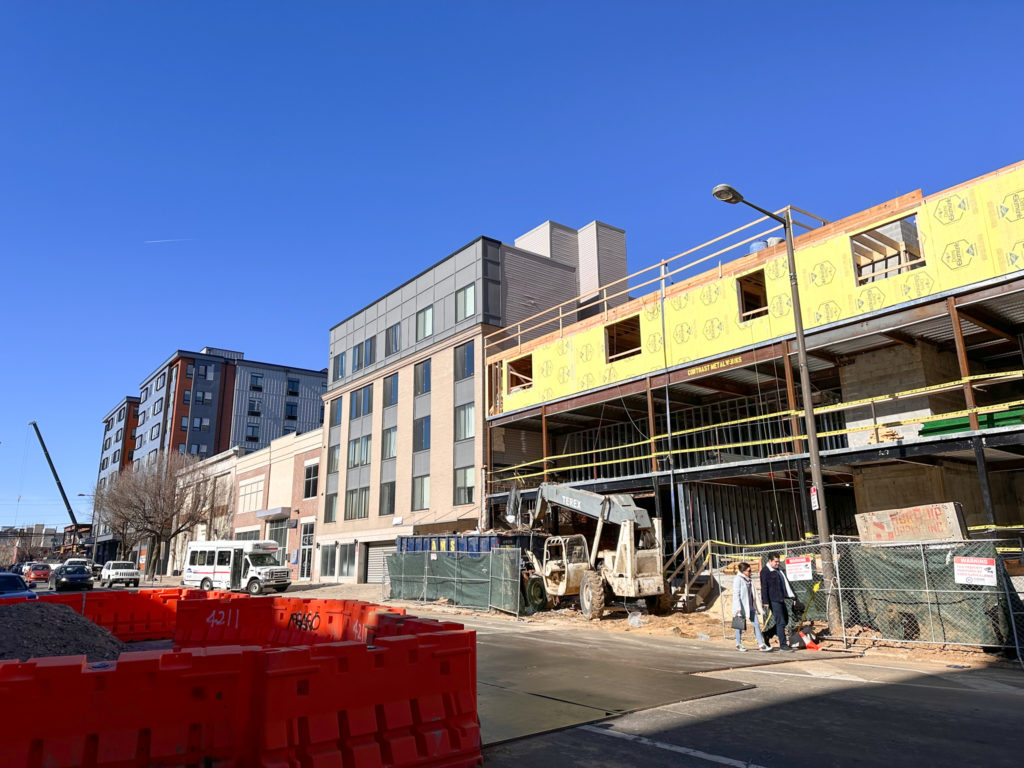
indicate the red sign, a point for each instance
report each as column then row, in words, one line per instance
column 975, row 570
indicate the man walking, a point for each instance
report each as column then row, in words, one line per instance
column 775, row 590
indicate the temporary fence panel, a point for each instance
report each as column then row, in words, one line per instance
column 955, row 593
column 484, row 580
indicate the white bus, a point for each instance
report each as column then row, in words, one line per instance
column 243, row 565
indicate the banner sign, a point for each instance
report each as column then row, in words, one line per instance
column 929, row 522
column 799, row 568
column 979, row 571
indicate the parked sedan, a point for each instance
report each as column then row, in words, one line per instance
column 12, row 585
column 38, row 572
column 71, row 577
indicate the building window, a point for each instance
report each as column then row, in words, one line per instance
column 161, row 380
column 357, row 503
column 203, row 371
column 120, row 415
column 144, row 395
column 389, row 443
column 421, row 378
column 256, row 382
column 392, row 339
column 421, row 434
column 142, row 418
column 255, row 408
column 330, row 507
column 158, row 406
column 336, row 412
column 289, row 430
column 520, row 373
column 886, row 251
column 291, row 411
column 391, row 390
column 622, row 339
column 252, row 433
column 105, row 463
column 465, row 484
column 464, row 361
column 328, row 559
column 197, row 423
column 186, row 397
column 752, row 295
column 359, row 452
column 347, row 560
column 424, row 323
column 361, row 402
column 277, row 530
column 154, row 433
column 118, row 435
column 364, row 353
column 387, row 499
column 465, row 423
column 465, row 302
column 338, row 368
column 189, row 370
column 293, row 387
column 106, row 444
column 333, row 459
column 116, row 457
column 194, row 449
column 420, row 492
column 310, row 480
column 184, row 423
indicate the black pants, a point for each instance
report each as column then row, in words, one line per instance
column 780, row 611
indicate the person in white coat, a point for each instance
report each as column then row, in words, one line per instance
column 746, row 604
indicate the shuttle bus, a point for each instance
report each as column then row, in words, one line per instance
column 240, row 565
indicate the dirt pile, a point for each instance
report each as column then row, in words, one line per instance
column 36, row 629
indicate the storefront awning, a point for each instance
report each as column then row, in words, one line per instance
column 275, row 513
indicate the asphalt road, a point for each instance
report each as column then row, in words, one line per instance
column 805, row 709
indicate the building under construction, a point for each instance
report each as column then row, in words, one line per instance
column 676, row 384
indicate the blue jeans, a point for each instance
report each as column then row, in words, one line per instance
column 757, row 632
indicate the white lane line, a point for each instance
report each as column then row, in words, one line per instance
column 719, row 759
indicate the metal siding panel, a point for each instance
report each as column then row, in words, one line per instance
column 421, row 406
column 464, row 450
column 387, row 470
column 465, row 390
column 421, row 463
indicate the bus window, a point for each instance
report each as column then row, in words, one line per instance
column 193, row 557
column 224, row 557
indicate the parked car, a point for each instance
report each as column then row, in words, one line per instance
column 12, row 585
column 70, row 577
column 77, row 561
column 38, row 572
column 119, row 572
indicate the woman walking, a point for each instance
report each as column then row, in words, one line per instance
column 746, row 608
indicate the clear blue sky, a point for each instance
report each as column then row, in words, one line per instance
column 302, row 158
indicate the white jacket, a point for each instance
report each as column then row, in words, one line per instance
column 739, row 590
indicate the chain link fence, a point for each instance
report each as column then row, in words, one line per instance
column 951, row 593
column 482, row 580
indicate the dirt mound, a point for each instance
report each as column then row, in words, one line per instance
column 36, row 629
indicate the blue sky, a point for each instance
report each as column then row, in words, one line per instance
column 300, row 159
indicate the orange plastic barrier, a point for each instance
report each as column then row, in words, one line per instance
column 409, row 702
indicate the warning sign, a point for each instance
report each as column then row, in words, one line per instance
column 975, row 570
column 799, row 569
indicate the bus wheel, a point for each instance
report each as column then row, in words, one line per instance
column 254, row 587
column 206, row 585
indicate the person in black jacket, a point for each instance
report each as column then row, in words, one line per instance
column 775, row 591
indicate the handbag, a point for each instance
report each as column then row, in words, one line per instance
column 738, row 622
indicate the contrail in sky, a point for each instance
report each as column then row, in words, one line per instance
column 172, row 240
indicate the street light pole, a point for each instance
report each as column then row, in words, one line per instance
column 728, row 194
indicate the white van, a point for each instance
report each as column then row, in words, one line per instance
column 248, row 565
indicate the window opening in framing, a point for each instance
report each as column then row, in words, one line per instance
column 886, row 251
column 753, row 295
column 622, row 339
column 520, row 373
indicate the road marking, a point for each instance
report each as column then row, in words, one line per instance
column 719, row 759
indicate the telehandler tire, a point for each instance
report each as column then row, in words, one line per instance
column 592, row 596
column 536, row 594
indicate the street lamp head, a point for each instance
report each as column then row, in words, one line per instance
column 727, row 194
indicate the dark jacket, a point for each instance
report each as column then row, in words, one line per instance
column 772, row 588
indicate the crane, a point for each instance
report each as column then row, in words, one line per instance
column 56, row 477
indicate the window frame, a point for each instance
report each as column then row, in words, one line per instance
column 425, row 323
column 421, row 434
column 421, row 378
column 467, row 353
column 461, row 296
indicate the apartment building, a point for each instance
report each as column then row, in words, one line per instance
column 116, row 454
column 404, row 434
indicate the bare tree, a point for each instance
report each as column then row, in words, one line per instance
column 157, row 502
